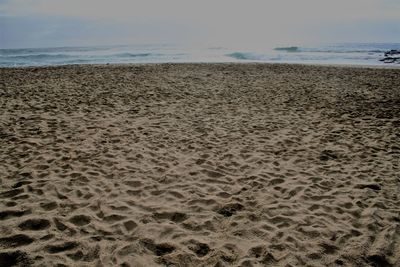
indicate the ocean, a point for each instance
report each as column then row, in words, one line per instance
column 343, row 54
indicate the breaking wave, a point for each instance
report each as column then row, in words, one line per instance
column 132, row 55
column 288, row 49
column 246, row 56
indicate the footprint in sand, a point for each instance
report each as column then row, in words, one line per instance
column 15, row 241
column 14, row 258
column 34, row 224
column 61, row 247
column 7, row 214
column 200, row 249
column 172, row 216
column 157, row 249
column 80, row 220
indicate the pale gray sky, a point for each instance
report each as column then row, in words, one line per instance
column 251, row 23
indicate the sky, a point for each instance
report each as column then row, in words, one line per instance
column 233, row 23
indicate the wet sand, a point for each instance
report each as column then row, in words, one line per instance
column 200, row 165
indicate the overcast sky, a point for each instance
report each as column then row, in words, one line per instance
column 234, row 23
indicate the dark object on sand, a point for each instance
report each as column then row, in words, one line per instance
column 391, row 56
column 230, row 209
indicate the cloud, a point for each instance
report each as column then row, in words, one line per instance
column 204, row 10
column 252, row 22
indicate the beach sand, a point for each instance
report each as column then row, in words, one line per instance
column 200, row 165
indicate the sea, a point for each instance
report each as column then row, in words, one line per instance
column 331, row 54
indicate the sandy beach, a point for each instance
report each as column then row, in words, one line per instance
column 199, row 165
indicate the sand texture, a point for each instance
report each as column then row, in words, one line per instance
column 200, row 165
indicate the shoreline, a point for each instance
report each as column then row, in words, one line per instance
column 388, row 66
column 243, row 164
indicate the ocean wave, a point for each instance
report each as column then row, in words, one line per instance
column 343, row 51
column 333, row 50
column 36, row 57
column 60, row 56
column 245, row 56
column 300, row 57
column 131, row 55
column 33, row 51
column 288, row 49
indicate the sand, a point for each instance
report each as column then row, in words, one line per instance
column 200, row 165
